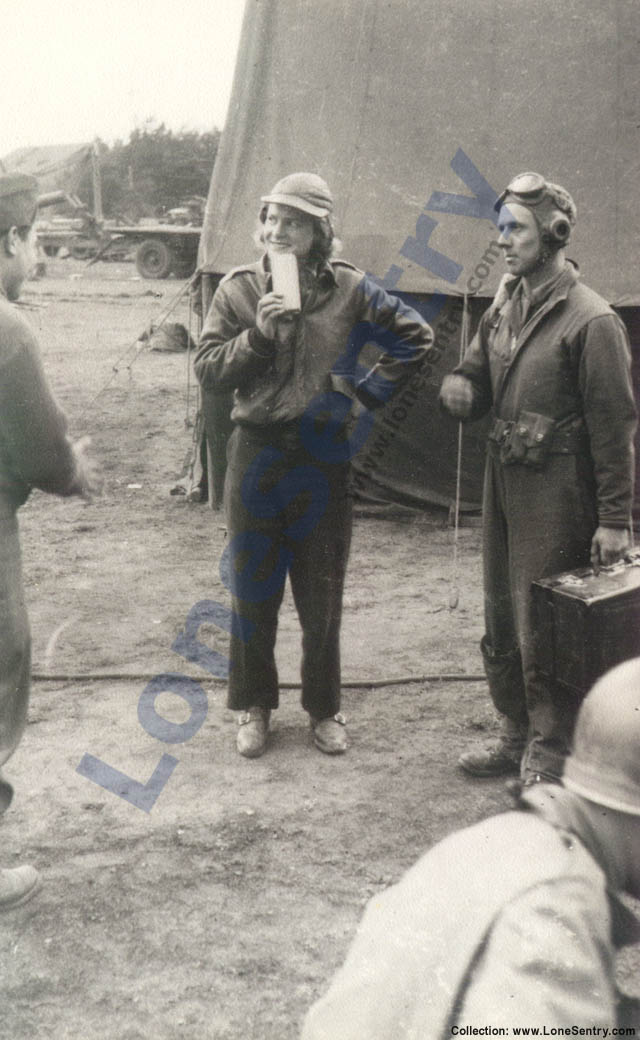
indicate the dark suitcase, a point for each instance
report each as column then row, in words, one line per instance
column 587, row 623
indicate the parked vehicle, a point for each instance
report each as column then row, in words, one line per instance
column 80, row 235
column 158, row 248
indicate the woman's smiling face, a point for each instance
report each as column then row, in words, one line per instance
column 288, row 230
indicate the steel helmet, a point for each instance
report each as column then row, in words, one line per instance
column 604, row 766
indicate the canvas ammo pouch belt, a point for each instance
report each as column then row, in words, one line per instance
column 532, row 438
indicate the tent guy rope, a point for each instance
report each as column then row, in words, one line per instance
column 454, row 594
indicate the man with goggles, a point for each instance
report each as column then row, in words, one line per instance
column 552, row 360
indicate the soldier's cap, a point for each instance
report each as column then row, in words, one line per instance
column 305, row 191
column 18, row 200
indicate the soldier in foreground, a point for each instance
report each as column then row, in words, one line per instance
column 514, row 922
column 34, row 452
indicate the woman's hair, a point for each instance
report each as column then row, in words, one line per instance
column 323, row 245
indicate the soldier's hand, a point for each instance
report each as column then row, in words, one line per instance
column 456, row 395
column 608, row 545
column 88, row 476
column 270, row 308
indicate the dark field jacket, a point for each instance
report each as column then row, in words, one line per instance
column 571, row 363
column 342, row 313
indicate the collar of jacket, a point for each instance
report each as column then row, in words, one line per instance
column 323, row 272
column 559, row 289
column 558, row 294
column 562, row 810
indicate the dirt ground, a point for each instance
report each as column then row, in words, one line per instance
column 221, row 913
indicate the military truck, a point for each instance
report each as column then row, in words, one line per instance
column 159, row 248
column 81, row 235
column 167, row 246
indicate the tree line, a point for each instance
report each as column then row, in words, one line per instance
column 155, row 170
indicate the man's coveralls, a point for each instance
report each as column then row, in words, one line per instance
column 555, row 367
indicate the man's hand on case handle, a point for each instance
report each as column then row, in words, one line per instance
column 608, row 545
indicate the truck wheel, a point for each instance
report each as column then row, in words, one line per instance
column 81, row 248
column 184, row 268
column 153, row 258
column 51, row 250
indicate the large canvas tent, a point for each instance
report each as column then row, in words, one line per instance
column 417, row 112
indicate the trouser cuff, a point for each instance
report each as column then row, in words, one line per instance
column 503, row 670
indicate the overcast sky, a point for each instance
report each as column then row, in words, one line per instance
column 74, row 70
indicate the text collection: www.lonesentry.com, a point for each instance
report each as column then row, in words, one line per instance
column 512, row 1031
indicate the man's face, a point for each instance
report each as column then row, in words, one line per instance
column 288, row 230
column 19, row 261
column 519, row 239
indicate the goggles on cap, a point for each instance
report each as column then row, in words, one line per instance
column 553, row 207
column 531, row 188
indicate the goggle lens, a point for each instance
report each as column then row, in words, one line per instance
column 530, row 187
column 527, row 184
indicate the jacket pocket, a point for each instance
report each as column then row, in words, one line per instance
column 529, row 441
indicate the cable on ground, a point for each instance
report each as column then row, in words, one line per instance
column 400, row 680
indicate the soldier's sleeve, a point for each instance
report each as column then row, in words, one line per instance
column 475, row 367
column 402, row 334
column 33, row 428
column 546, row 961
column 610, row 415
column 230, row 349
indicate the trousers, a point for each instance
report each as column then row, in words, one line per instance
column 15, row 637
column 536, row 523
column 286, row 513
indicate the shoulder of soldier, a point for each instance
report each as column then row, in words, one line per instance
column 590, row 303
column 533, row 849
column 15, row 332
column 346, row 273
column 236, row 272
column 353, row 279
